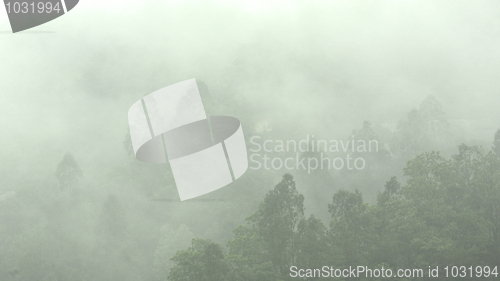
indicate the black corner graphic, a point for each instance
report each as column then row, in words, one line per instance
column 25, row 14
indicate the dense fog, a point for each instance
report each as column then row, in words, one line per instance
column 416, row 76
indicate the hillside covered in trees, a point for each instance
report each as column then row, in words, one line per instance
column 418, row 79
column 448, row 214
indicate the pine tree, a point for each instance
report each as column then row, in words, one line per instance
column 68, row 172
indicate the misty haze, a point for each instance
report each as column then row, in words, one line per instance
column 418, row 79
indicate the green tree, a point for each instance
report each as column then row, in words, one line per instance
column 314, row 249
column 277, row 220
column 249, row 256
column 348, row 225
column 392, row 189
column 203, row 261
column 169, row 243
column 443, row 216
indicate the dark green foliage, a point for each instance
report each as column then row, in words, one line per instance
column 439, row 211
column 447, row 213
column 314, row 251
column 249, row 256
column 203, row 261
column 276, row 221
column 392, row 189
column 346, row 205
column 349, row 226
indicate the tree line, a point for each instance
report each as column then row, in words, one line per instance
column 447, row 213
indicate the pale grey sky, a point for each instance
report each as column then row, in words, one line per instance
column 355, row 60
